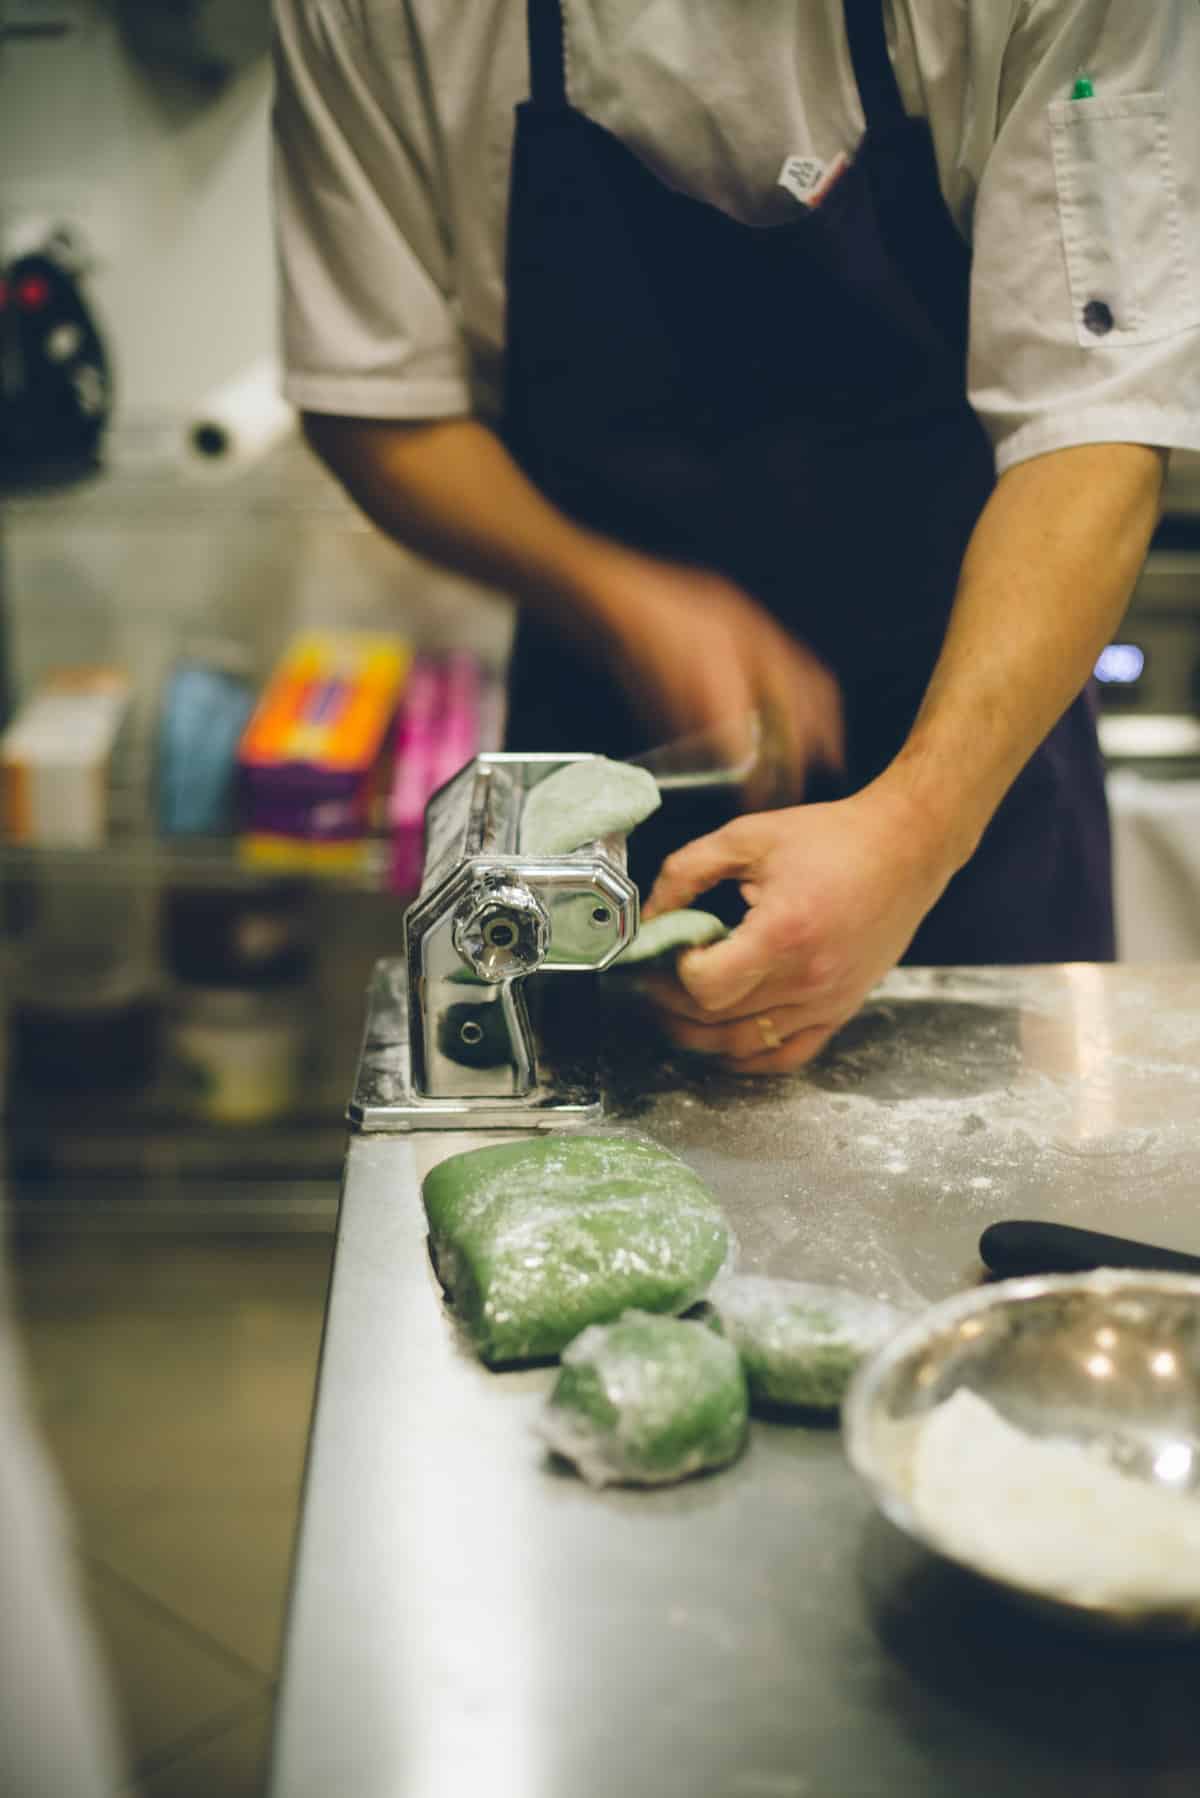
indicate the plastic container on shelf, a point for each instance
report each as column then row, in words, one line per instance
column 85, row 1013
column 99, row 1034
column 241, row 1019
column 207, row 701
column 240, row 1056
column 257, row 938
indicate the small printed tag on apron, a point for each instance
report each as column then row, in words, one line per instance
column 808, row 179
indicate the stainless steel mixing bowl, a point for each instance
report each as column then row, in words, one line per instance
column 1108, row 1360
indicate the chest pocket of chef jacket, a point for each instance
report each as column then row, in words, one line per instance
column 1129, row 265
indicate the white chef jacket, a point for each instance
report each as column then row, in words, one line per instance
column 393, row 136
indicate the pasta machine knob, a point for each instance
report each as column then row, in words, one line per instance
column 502, row 931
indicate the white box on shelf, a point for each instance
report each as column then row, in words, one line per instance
column 55, row 755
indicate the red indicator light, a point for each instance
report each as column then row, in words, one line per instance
column 33, row 292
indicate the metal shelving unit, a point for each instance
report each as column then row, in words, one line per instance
column 129, row 569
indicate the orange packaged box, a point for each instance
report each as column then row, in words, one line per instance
column 315, row 752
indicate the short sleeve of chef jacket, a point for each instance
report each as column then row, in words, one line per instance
column 1085, row 299
column 367, row 307
column 1083, row 215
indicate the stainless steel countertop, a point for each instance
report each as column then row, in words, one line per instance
column 464, row 1618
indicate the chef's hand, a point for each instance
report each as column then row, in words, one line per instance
column 835, row 895
column 695, row 652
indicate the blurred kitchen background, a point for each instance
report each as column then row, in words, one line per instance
column 180, row 998
column 185, row 935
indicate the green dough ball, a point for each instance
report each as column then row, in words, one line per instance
column 800, row 1344
column 536, row 1239
column 673, row 931
column 583, row 801
column 647, row 1400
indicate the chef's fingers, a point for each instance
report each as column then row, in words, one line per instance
column 803, row 725
column 741, row 1041
column 828, row 734
column 798, row 1050
column 725, row 854
column 804, row 731
column 671, row 998
column 825, row 718
column 666, row 995
column 722, row 978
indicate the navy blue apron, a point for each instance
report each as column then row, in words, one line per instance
column 785, row 405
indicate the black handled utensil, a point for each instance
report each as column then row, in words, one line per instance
column 1023, row 1246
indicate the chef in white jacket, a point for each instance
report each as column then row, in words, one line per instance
column 821, row 359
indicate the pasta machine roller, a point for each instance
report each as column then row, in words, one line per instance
column 450, row 1040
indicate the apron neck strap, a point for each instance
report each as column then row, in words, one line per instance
column 547, row 55
column 878, row 88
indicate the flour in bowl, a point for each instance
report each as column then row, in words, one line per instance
column 1048, row 1514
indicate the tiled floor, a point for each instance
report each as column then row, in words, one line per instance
column 173, row 1378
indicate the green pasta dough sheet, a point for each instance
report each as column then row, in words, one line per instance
column 583, row 801
column 667, row 934
column 800, row 1343
column 536, row 1239
column 647, row 1400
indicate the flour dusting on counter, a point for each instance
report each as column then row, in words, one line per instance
column 956, row 1098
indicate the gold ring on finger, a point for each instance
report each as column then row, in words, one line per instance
column 766, row 1029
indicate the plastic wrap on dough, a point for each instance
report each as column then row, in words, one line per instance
column 646, row 1401
column 800, row 1343
column 536, row 1239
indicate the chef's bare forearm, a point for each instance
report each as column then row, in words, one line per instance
column 1045, row 581
column 449, row 490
